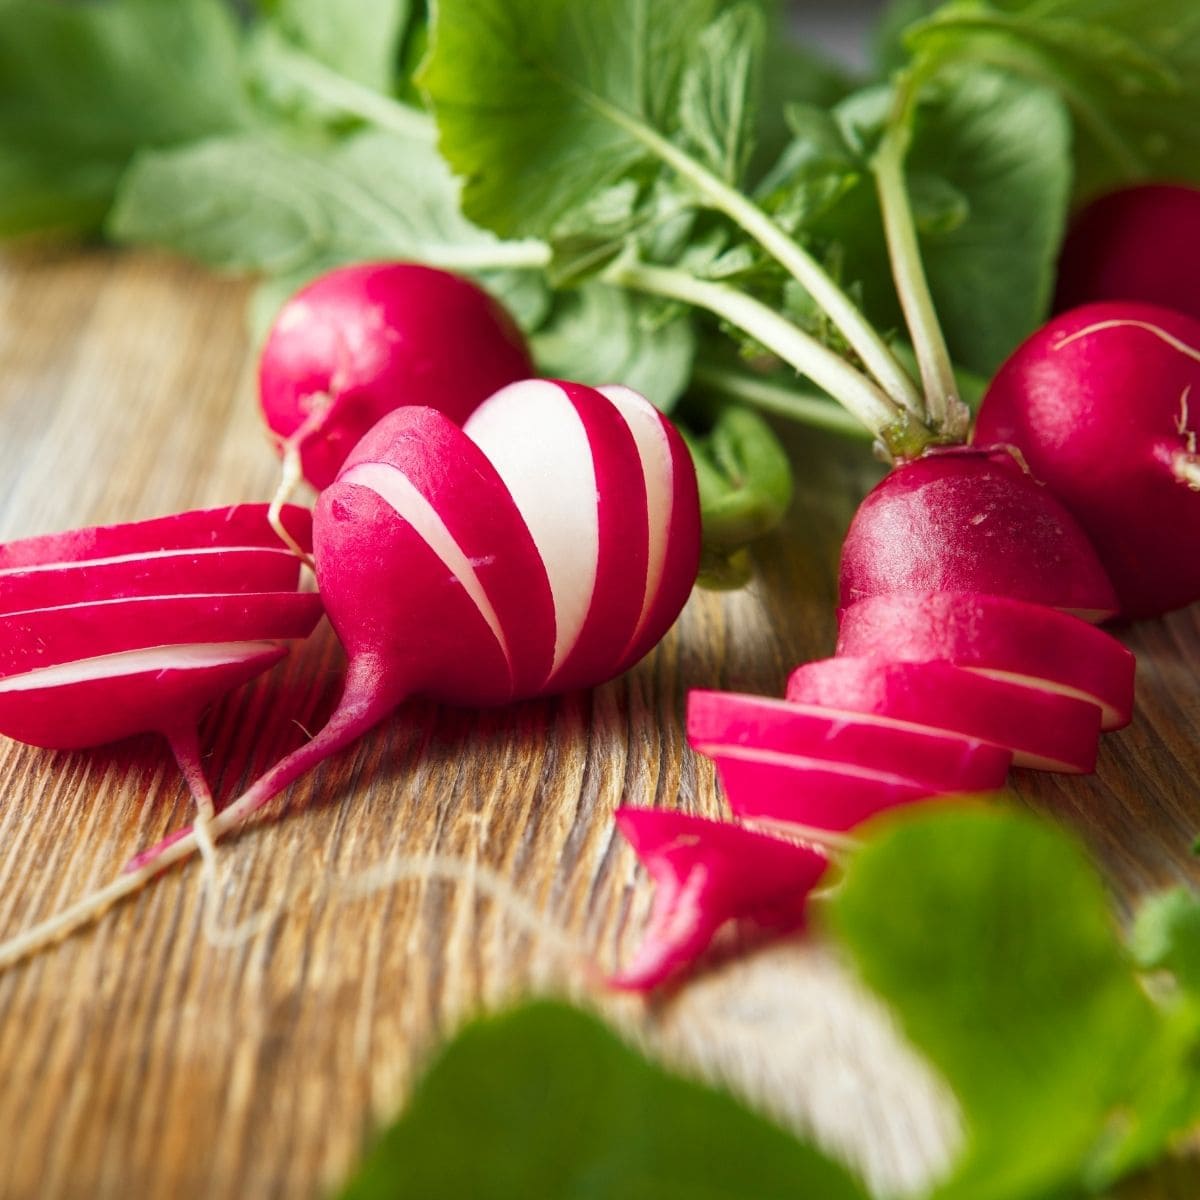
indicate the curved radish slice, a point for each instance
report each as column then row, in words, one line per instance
column 672, row 500
column 48, row 637
column 572, row 466
column 1029, row 644
column 707, row 873
column 970, row 519
column 808, row 793
column 92, row 701
column 440, row 481
column 234, row 525
column 1044, row 730
column 933, row 760
column 215, row 571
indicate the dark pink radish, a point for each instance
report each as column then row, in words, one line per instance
column 707, row 873
column 361, row 340
column 1043, row 730
column 1104, row 404
column 972, row 520
column 1139, row 243
column 718, row 722
column 1030, row 644
column 574, row 469
column 811, row 796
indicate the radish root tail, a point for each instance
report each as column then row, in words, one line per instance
column 291, row 473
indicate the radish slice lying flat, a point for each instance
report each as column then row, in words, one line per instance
column 936, row 761
column 1044, row 730
column 1030, row 644
column 707, row 873
column 574, row 471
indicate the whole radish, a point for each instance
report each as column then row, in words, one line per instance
column 1138, row 243
column 1103, row 402
column 361, row 340
column 972, row 520
column 474, row 582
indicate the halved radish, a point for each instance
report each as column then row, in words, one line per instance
column 707, row 873
column 1044, row 730
column 1013, row 640
column 938, row 761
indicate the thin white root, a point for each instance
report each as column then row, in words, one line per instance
column 1186, row 468
column 1184, row 348
column 289, row 479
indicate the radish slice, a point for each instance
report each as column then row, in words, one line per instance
column 707, row 873
column 92, row 701
column 1043, row 730
column 933, row 760
column 214, row 571
column 810, row 794
column 573, row 469
column 1005, row 639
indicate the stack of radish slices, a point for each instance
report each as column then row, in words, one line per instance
column 933, row 691
column 135, row 628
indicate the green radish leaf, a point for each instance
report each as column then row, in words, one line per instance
column 719, row 91
column 601, row 334
column 359, row 39
column 83, row 87
column 1166, row 936
column 545, row 1102
column 990, row 935
column 542, row 104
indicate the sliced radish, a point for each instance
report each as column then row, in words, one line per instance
column 572, row 466
column 1012, row 640
column 933, row 760
column 1044, row 730
column 707, row 873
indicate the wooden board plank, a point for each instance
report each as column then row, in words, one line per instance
column 141, row 1059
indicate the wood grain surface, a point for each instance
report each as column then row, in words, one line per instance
column 165, row 1054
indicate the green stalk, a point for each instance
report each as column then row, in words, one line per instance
column 896, row 429
column 944, row 411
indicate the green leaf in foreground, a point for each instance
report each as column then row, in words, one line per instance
column 990, row 935
column 546, row 1103
column 82, row 87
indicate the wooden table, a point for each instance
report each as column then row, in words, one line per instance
column 140, row 1059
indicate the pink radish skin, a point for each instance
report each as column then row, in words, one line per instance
column 1104, row 404
column 574, row 470
column 234, row 526
column 810, row 796
column 1043, row 730
column 707, row 873
column 1140, row 243
column 934, row 761
column 364, row 339
column 1029, row 644
column 971, row 520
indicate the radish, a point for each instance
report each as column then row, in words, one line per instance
column 1043, row 730
column 1104, row 404
column 1040, row 648
column 971, row 520
column 438, row 585
column 361, row 340
column 1138, row 243
column 706, row 874
column 124, row 629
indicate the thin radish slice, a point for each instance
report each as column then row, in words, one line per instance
column 810, row 794
column 672, row 498
column 1005, row 639
column 93, row 701
column 706, row 874
column 216, row 571
column 572, row 466
column 238, row 525
column 1044, row 730
column 933, row 760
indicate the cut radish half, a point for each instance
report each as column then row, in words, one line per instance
column 1044, row 730
column 707, row 873
column 931, row 759
column 1005, row 639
